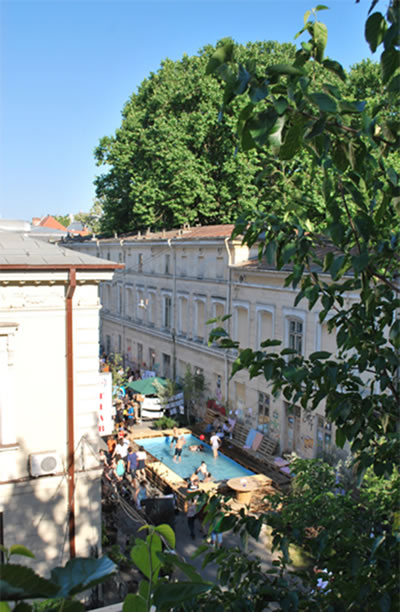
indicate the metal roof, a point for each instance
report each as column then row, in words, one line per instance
column 21, row 250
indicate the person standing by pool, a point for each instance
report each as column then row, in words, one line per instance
column 178, row 448
column 215, row 444
column 131, row 462
column 141, row 462
column 191, row 512
column 174, row 436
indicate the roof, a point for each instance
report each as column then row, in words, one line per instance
column 49, row 221
column 18, row 250
column 204, row 232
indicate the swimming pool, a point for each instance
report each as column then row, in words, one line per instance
column 221, row 468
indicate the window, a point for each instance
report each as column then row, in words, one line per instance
column 119, row 344
column 241, row 323
column 119, row 299
column 167, row 264
column 152, row 358
column 324, row 434
column 292, row 428
column 166, row 360
column 108, row 344
column 296, row 335
column 199, row 330
column 140, row 354
column 129, row 304
column 167, row 311
column 265, row 323
column 200, row 265
column 140, row 262
column 183, row 309
column 263, row 412
column 151, row 308
column 8, row 384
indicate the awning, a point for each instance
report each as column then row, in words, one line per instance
column 146, row 386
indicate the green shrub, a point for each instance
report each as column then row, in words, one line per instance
column 164, row 423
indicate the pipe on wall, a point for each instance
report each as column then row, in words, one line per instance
column 70, row 411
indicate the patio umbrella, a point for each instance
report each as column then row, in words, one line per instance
column 146, row 386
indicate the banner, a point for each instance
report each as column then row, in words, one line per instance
column 106, row 408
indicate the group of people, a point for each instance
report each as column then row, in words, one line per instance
column 121, row 461
column 126, row 414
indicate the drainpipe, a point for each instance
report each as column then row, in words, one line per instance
column 173, row 251
column 228, row 300
column 70, row 411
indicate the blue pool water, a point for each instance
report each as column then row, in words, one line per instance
column 221, row 468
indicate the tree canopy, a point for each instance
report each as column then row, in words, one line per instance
column 174, row 160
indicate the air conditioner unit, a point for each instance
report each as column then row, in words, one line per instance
column 42, row 464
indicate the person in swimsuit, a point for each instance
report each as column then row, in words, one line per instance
column 174, row 436
column 178, row 449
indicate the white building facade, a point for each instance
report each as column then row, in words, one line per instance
column 49, row 399
column 155, row 314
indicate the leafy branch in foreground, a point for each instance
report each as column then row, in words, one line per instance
column 348, row 266
column 19, row 583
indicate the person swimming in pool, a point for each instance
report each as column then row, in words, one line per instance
column 196, row 448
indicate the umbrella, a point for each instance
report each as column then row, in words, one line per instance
column 146, row 386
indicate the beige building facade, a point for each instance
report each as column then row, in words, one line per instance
column 155, row 313
column 49, row 399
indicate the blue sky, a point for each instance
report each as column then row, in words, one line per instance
column 68, row 67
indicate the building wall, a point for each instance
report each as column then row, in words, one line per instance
column 196, row 281
column 33, row 412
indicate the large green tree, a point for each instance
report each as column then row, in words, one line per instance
column 172, row 161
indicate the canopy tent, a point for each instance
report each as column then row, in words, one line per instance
column 146, row 386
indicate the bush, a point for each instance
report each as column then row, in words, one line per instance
column 164, row 423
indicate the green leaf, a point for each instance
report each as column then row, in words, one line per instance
column 167, row 533
column 175, row 593
column 351, row 107
column 390, row 60
column 360, row 262
column 140, row 555
column 394, row 335
column 134, row 603
column 320, row 355
column 261, row 125
column 281, row 104
column 18, row 549
column 19, row 582
column 80, row 574
column 340, row 438
column 324, row 102
column 394, row 85
column 287, row 69
column 292, row 142
column 320, row 34
column 221, row 55
column 375, row 28
column 335, row 67
column 186, row 568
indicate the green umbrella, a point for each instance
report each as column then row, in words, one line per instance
column 146, row 386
